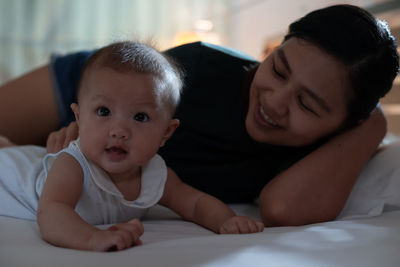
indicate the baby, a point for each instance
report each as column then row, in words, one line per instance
column 112, row 174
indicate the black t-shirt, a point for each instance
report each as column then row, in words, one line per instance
column 211, row 149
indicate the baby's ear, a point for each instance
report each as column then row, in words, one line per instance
column 75, row 109
column 173, row 124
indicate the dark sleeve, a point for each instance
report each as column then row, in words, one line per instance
column 211, row 150
column 187, row 57
column 65, row 72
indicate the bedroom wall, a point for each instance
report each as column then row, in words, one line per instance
column 391, row 102
column 31, row 30
column 255, row 22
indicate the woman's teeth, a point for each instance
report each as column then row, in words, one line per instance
column 266, row 118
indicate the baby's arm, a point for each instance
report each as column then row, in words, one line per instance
column 60, row 225
column 201, row 208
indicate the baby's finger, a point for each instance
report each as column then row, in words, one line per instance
column 122, row 238
column 229, row 228
column 139, row 242
column 138, row 224
column 131, row 232
column 252, row 225
column 112, row 248
column 117, row 243
column 243, row 226
column 260, row 226
column 255, row 226
column 137, row 230
column 129, row 237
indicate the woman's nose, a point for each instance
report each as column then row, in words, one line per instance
column 278, row 101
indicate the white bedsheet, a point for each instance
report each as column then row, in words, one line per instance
column 169, row 241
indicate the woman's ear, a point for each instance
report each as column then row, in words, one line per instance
column 75, row 109
column 173, row 124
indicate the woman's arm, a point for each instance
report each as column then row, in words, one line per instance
column 316, row 188
column 60, row 225
column 28, row 108
column 203, row 209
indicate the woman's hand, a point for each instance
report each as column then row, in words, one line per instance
column 117, row 237
column 60, row 139
column 241, row 225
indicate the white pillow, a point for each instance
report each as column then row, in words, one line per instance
column 377, row 190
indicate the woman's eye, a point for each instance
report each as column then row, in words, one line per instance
column 141, row 117
column 279, row 74
column 306, row 107
column 103, row 112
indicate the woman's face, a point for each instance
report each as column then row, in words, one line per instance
column 298, row 95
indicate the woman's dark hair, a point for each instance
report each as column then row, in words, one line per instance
column 363, row 43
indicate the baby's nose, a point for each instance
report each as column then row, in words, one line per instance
column 119, row 130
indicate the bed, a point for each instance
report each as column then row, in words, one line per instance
column 366, row 233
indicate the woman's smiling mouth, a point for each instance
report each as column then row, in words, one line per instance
column 264, row 119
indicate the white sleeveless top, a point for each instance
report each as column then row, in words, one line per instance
column 100, row 203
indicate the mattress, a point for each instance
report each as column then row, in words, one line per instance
column 169, row 241
column 366, row 233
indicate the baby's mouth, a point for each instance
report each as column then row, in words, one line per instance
column 116, row 150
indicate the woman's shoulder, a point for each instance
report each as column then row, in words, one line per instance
column 207, row 50
column 228, row 51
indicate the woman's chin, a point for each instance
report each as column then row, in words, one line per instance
column 255, row 133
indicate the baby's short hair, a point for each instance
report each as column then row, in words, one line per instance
column 130, row 56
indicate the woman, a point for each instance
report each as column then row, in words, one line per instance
column 294, row 130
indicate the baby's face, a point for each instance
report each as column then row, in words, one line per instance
column 121, row 123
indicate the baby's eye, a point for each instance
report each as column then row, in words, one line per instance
column 141, row 117
column 103, row 112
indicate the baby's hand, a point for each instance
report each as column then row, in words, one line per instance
column 241, row 225
column 117, row 237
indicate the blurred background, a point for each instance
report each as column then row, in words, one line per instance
column 31, row 30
